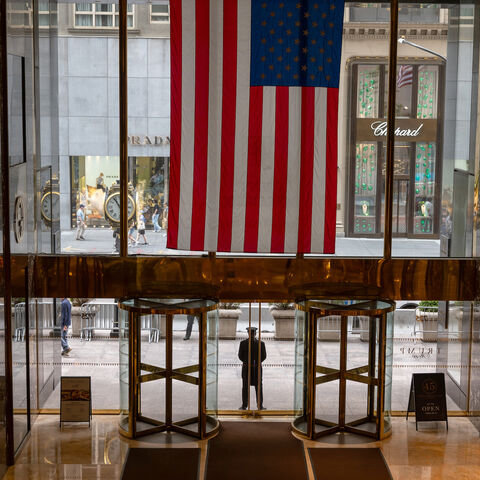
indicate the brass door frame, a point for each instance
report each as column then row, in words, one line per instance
column 136, row 309
column 376, row 359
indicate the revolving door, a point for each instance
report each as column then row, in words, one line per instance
column 167, row 383
column 343, row 367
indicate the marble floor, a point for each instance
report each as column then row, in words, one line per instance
column 78, row 452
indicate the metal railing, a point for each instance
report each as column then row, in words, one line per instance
column 42, row 310
column 104, row 316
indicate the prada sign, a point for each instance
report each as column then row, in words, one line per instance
column 406, row 129
column 148, row 140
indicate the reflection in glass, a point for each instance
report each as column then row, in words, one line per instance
column 20, row 331
column 368, row 91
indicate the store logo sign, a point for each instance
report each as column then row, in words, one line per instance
column 148, row 140
column 380, row 130
column 406, row 129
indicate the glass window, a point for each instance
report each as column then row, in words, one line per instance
column 159, row 13
column 424, row 187
column 365, row 187
column 419, row 13
column 427, row 96
column 368, row 91
column 103, row 15
column 405, row 78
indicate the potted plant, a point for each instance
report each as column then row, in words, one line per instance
column 284, row 317
column 329, row 327
column 427, row 314
column 228, row 315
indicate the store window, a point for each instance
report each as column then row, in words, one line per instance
column 93, row 177
column 416, row 203
column 376, row 12
column 100, row 15
column 159, row 13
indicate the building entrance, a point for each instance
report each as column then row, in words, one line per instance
column 162, row 387
column 359, row 379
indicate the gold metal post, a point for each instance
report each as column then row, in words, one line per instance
column 259, row 358
column 123, row 130
column 169, row 367
column 311, row 329
column 133, row 353
column 202, row 374
column 343, row 369
column 389, row 170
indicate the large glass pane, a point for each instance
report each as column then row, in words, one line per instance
column 19, row 371
column 88, row 150
column 149, row 130
column 387, row 401
column 300, row 391
column 368, row 91
column 427, row 95
column 124, row 335
column 212, row 364
column 425, row 199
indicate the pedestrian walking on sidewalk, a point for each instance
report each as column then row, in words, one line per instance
column 66, row 322
column 81, row 225
column 141, row 229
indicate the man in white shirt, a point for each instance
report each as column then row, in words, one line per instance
column 81, row 225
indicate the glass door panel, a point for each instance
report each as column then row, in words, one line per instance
column 123, row 327
column 21, row 421
column 327, row 371
column 300, row 392
column 211, row 369
column 151, row 403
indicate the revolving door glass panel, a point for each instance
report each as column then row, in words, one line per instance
column 342, row 383
column 171, row 384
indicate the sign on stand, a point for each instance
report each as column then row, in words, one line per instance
column 75, row 399
column 428, row 398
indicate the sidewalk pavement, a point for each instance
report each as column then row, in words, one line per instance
column 100, row 241
column 99, row 359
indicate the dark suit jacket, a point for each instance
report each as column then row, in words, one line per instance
column 243, row 356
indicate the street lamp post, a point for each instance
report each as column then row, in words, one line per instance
column 403, row 40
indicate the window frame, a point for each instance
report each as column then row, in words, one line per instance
column 94, row 14
column 167, row 15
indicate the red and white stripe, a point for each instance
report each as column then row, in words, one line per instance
column 405, row 75
column 253, row 169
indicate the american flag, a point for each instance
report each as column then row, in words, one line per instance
column 405, row 75
column 254, row 107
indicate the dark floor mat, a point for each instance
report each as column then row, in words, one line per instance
column 257, row 451
column 161, row 464
column 348, row 464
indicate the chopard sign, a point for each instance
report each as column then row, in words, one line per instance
column 406, row 129
column 380, row 130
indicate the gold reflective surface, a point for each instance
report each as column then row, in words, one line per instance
column 261, row 279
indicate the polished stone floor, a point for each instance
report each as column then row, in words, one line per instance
column 78, row 452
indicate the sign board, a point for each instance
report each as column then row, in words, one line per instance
column 406, row 129
column 428, row 398
column 75, row 399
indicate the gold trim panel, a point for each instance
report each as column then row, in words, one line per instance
column 250, row 278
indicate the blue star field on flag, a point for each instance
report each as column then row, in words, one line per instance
column 296, row 42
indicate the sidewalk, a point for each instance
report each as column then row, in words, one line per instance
column 99, row 359
column 100, row 241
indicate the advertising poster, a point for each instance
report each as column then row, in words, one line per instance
column 75, row 399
